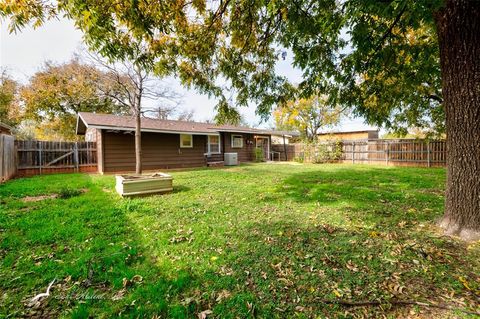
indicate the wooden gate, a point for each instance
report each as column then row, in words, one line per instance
column 8, row 161
column 45, row 157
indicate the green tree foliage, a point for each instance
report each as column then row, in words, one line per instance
column 307, row 115
column 180, row 38
column 56, row 93
column 378, row 57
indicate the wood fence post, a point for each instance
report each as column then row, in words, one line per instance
column 387, row 153
column 353, row 152
column 428, row 154
column 40, row 156
column 75, row 156
column 2, row 151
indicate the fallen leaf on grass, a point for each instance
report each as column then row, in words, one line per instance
column 119, row 295
column 396, row 289
column 351, row 266
column 204, row 314
column 129, row 282
column 226, row 271
column 373, row 234
column 300, row 308
column 464, row 282
column 224, row 294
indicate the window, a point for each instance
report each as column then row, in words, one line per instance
column 186, row 141
column 237, row 141
column 213, row 144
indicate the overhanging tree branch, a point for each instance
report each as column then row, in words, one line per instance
column 386, row 35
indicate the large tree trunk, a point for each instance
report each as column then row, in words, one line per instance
column 458, row 30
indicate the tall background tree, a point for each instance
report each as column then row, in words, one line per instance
column 9, row 105
column 398, row 62
column 55, row 94
column 307, row 115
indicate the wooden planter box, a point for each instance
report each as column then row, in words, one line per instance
column 131, row 185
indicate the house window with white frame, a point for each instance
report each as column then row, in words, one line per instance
column 237, row 141
column 213, row 144
column 186, row 141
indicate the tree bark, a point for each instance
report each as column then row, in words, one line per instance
column 138, row 143
column 138, row 120
column 458, row 31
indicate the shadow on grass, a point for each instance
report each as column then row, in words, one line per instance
column 180, row 188
column 86, row 244
column 286, row 269
column 369, row 194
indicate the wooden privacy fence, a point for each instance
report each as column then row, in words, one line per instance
column 402, row 152
column 8, row 159
column 45, row 157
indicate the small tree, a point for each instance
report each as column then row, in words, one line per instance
column 307, row 116
column 138, row 83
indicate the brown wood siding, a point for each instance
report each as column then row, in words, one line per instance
column 158, row 151
column 246, row 153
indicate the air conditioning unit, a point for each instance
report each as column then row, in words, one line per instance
column 230, row 159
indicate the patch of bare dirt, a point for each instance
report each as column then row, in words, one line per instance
column 28, row 199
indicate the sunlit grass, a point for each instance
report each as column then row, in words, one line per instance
column 265, row 240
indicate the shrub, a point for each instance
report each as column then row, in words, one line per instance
column 327, row 152
column 322, row 152
column 300, row 158
column 259, row 155
column 68, row 192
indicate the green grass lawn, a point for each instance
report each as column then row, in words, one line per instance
column 259, row 240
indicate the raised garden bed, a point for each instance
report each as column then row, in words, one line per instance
column 138, row 185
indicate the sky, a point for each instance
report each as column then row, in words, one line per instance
column 22, row 54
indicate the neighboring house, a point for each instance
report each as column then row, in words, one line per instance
column 5, row 129
column 280, row 137
column 349, row 135
column 168, row 143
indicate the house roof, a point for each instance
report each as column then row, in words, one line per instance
column 127, row 123
column 5, row 127
column 348, row 132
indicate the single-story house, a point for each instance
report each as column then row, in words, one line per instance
column 349, row 135
column 168, row 143
column 5, row 129
column 281, row 137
